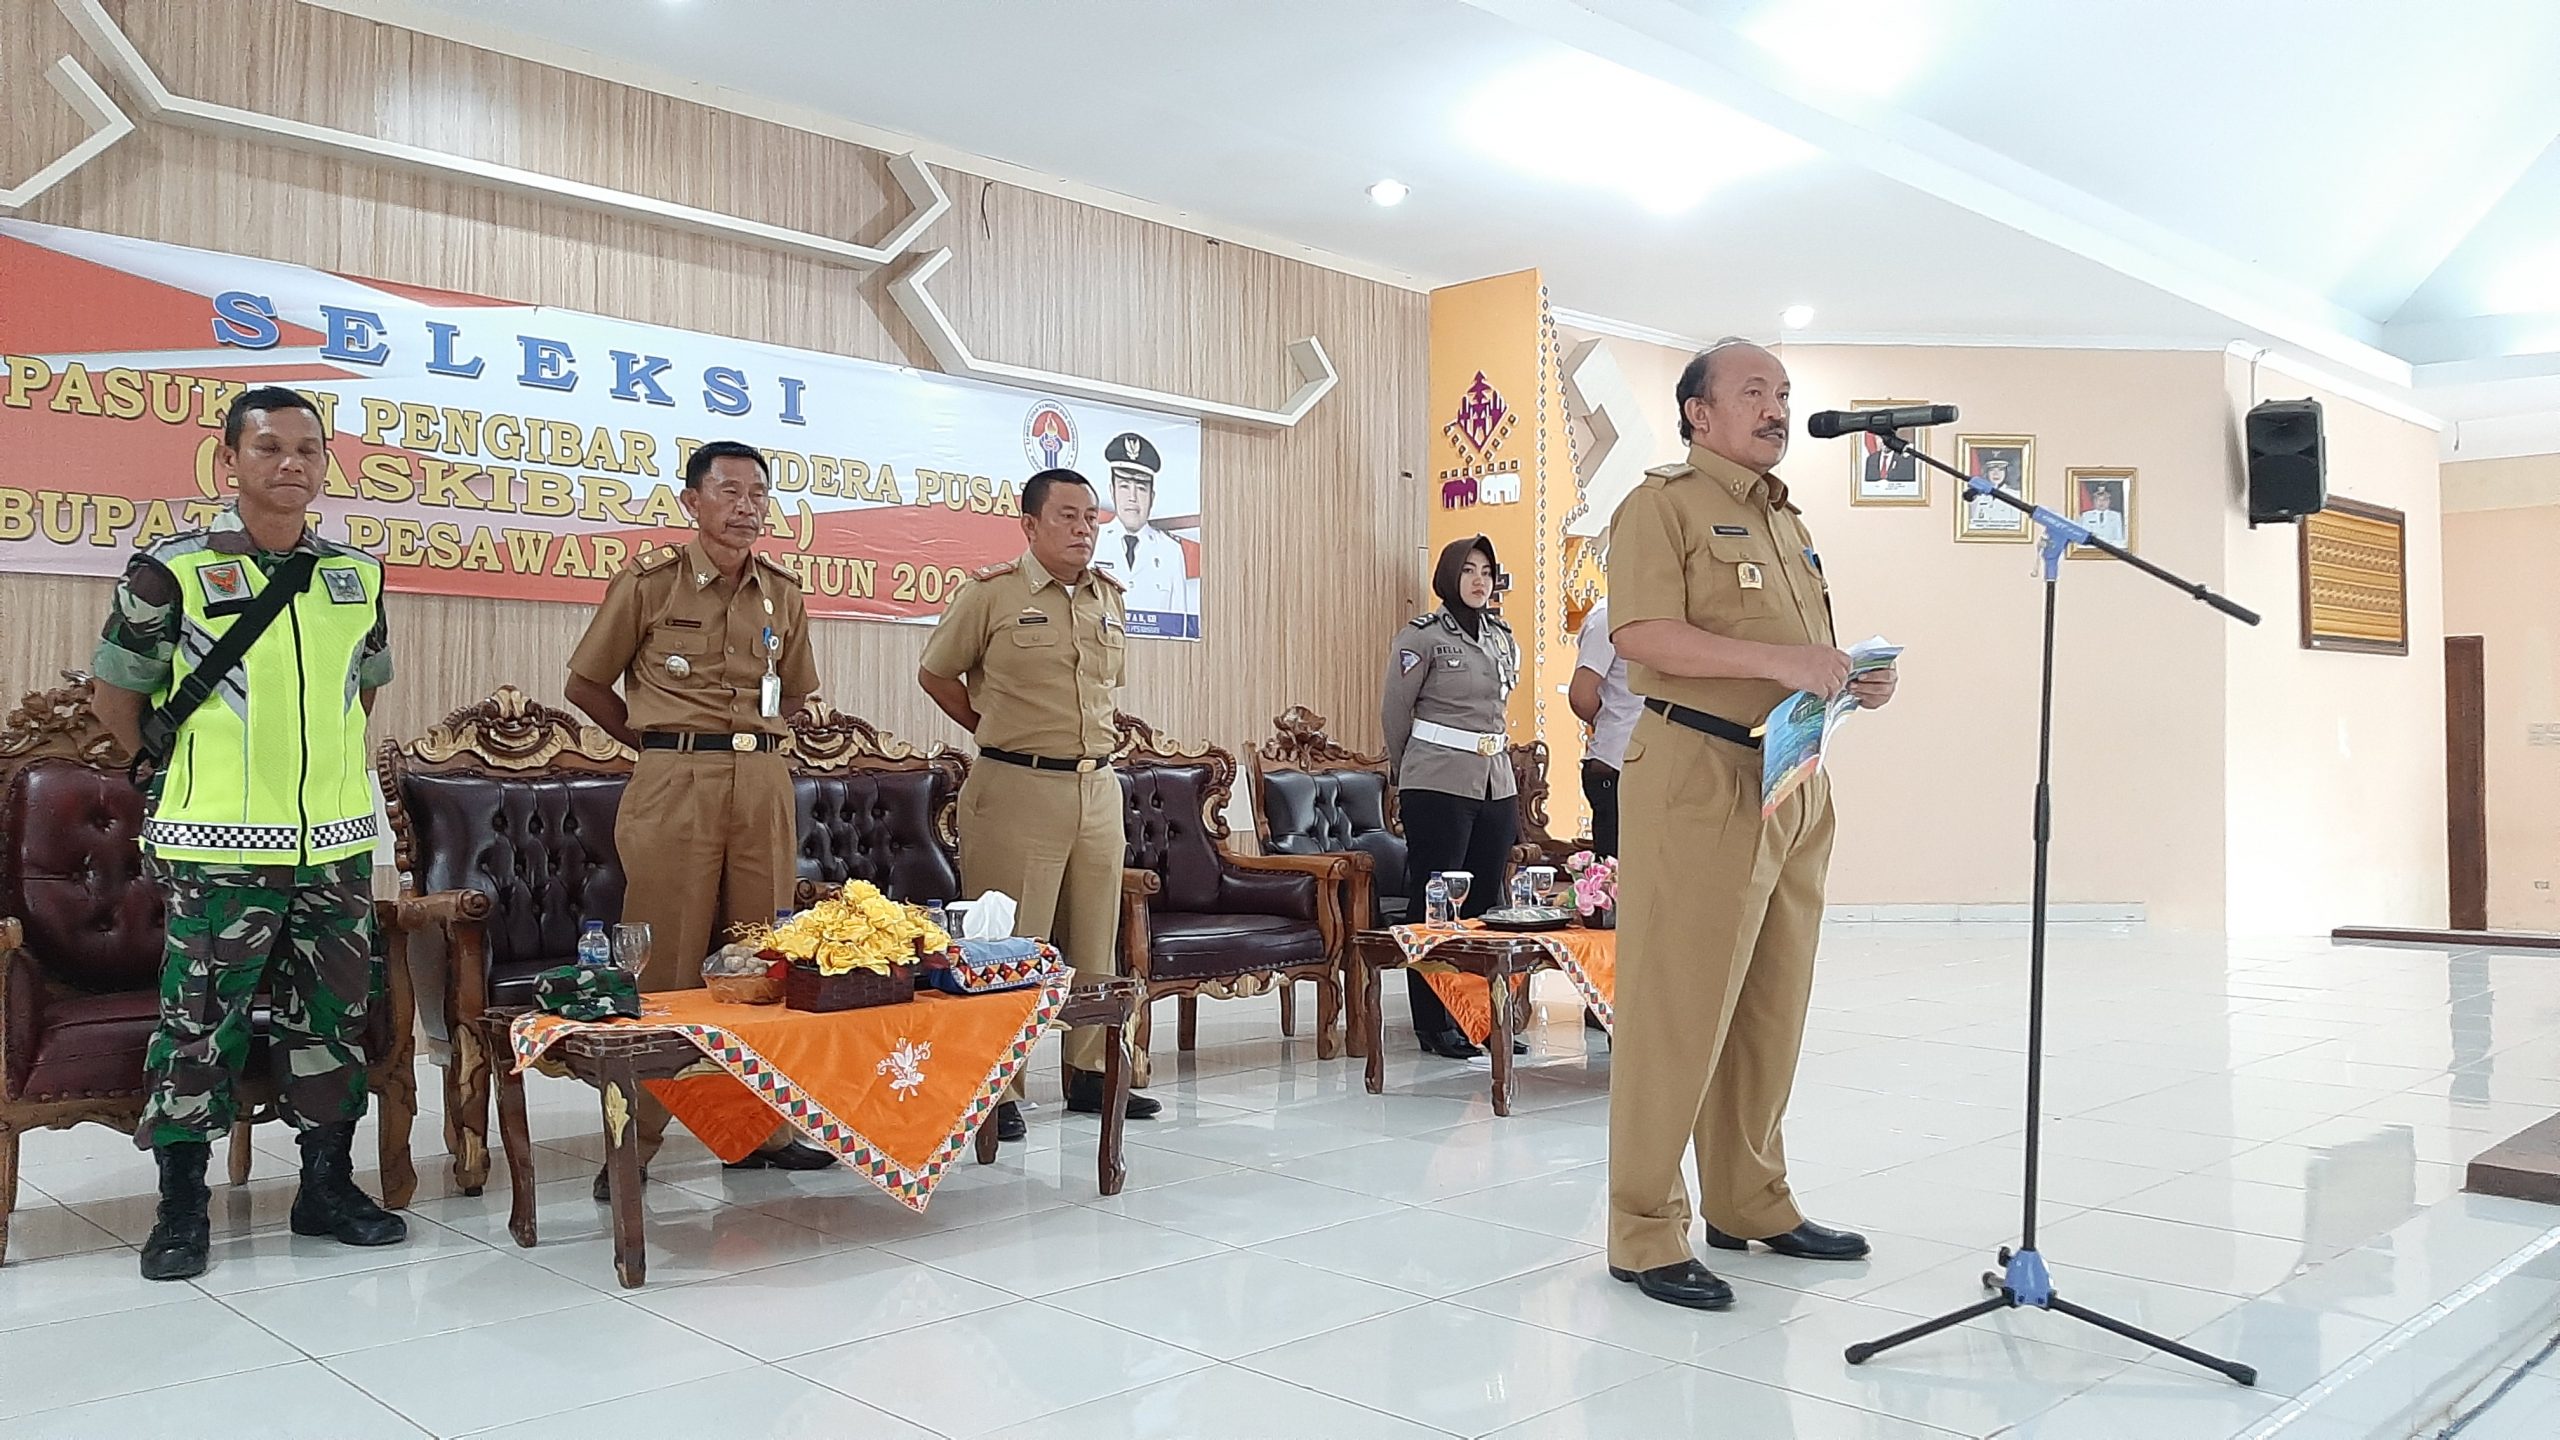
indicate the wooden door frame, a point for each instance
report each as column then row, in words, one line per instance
column 2466, row 783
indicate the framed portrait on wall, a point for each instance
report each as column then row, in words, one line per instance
column 2009, row 462
column 1883, row 477
column 2102, row 501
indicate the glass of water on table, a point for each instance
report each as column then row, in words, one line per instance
column 631, row 948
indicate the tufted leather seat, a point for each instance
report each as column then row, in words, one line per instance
column 1206, row 921
column 880, row 826
column 1319, row 812
column 83, row 934
column 540, row 847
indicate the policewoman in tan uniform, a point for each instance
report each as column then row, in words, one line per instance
column 710, row 645
column 1450, row 675
column 1029, row 659
column 1717, row 601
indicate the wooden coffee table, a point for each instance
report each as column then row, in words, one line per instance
column 617, row 1062
column 1498, row 958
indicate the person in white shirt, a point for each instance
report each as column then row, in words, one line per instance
column 1601, row 699
column 1154, row 577
column 2102, row 519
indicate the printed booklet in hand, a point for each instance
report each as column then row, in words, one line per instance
column 1798, row 733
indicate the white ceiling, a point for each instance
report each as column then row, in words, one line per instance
column 2370, row 185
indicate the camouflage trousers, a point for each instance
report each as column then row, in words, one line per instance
column 302, row 935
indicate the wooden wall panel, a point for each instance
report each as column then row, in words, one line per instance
column 1309, row 533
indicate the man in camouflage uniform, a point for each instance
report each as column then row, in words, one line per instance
column 261, row 832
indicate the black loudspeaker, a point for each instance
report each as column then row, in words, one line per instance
column 2288, row 470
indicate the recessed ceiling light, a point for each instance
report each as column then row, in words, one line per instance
column 1390, row 192
column 1577, row 119
column 1797, row 317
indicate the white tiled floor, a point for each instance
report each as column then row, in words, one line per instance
column 2254, row 1146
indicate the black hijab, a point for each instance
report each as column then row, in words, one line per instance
column 1444, row 581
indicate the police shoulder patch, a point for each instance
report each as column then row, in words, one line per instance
column 990, row 572
column 1405, row 661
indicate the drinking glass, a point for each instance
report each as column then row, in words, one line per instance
column 1542, row 883
column 631, row 948
column 1458, row 882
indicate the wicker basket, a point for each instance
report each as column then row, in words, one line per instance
column 744, row 989
column 805, row 987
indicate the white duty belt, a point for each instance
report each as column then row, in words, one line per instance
column 1450, row 737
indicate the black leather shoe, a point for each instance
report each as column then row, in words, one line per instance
column 1807, row 1241
column 328, row 1203
column 604, row 1183
column 797, row 1155
column 1450, row 1044
column 1009, row 1126
column 1687, row 1283
column 182, row 1232
column 1084, row 1097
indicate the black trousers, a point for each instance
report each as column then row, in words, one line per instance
column 1600, row 790
column 1451, row 832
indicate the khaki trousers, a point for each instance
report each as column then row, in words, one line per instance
column 707, row 841
column 1053, row 840
column 1719, row 913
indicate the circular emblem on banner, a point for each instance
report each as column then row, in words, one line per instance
column 1049, row 436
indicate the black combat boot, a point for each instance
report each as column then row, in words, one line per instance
column 180, row 1235
column 329, row 1202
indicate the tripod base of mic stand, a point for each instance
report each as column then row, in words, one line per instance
column 2024, row 1284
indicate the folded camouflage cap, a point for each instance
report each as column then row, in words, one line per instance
column 586, row 992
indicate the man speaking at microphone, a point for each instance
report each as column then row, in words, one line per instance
column 1718, row 603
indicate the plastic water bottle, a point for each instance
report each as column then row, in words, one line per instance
column 1435, row 900
column 1523, row 893
column 593, row 946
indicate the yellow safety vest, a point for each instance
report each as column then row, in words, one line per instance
column 270, row 769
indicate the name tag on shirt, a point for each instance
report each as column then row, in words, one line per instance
column 1032, row 617
column 1742, row 530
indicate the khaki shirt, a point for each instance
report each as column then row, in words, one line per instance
column 1716, row 546
column 1043, row 668
column 1437, row 672
column 686, row 643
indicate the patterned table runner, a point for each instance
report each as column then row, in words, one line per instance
column 1589, row 958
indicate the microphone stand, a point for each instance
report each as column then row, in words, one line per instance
column 2023, row 1280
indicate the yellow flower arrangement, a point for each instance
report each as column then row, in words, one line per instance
column 858, row 929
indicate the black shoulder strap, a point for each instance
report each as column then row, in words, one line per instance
column 160, row 727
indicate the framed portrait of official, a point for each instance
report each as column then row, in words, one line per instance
column 2009, row 462
column 1882, row 477
column 2102, row 501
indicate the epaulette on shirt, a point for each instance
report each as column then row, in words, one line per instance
column 1114, row 581
column 1424, row 620
column 1671, row 472
column 780, row 570
column 660, row 561
column 990, row 572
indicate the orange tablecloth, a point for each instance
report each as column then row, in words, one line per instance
column 894, row 1091
column 1589, row 958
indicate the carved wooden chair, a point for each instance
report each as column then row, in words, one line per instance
column 1198, row 919
column 1536, row 846
column 871, row 807
column 1315, row 797
column 502, row 820
column 82, row 939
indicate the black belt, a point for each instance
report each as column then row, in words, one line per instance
column 1039, row 762
column 742, row 741
column 1704, row 723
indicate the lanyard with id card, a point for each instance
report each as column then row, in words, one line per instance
column 769, row 689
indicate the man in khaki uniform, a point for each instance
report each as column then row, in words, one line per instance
column 711, row 647
column 1029, row 659
column 1718, row 604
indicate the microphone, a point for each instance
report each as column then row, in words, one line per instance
column 1825, row 424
